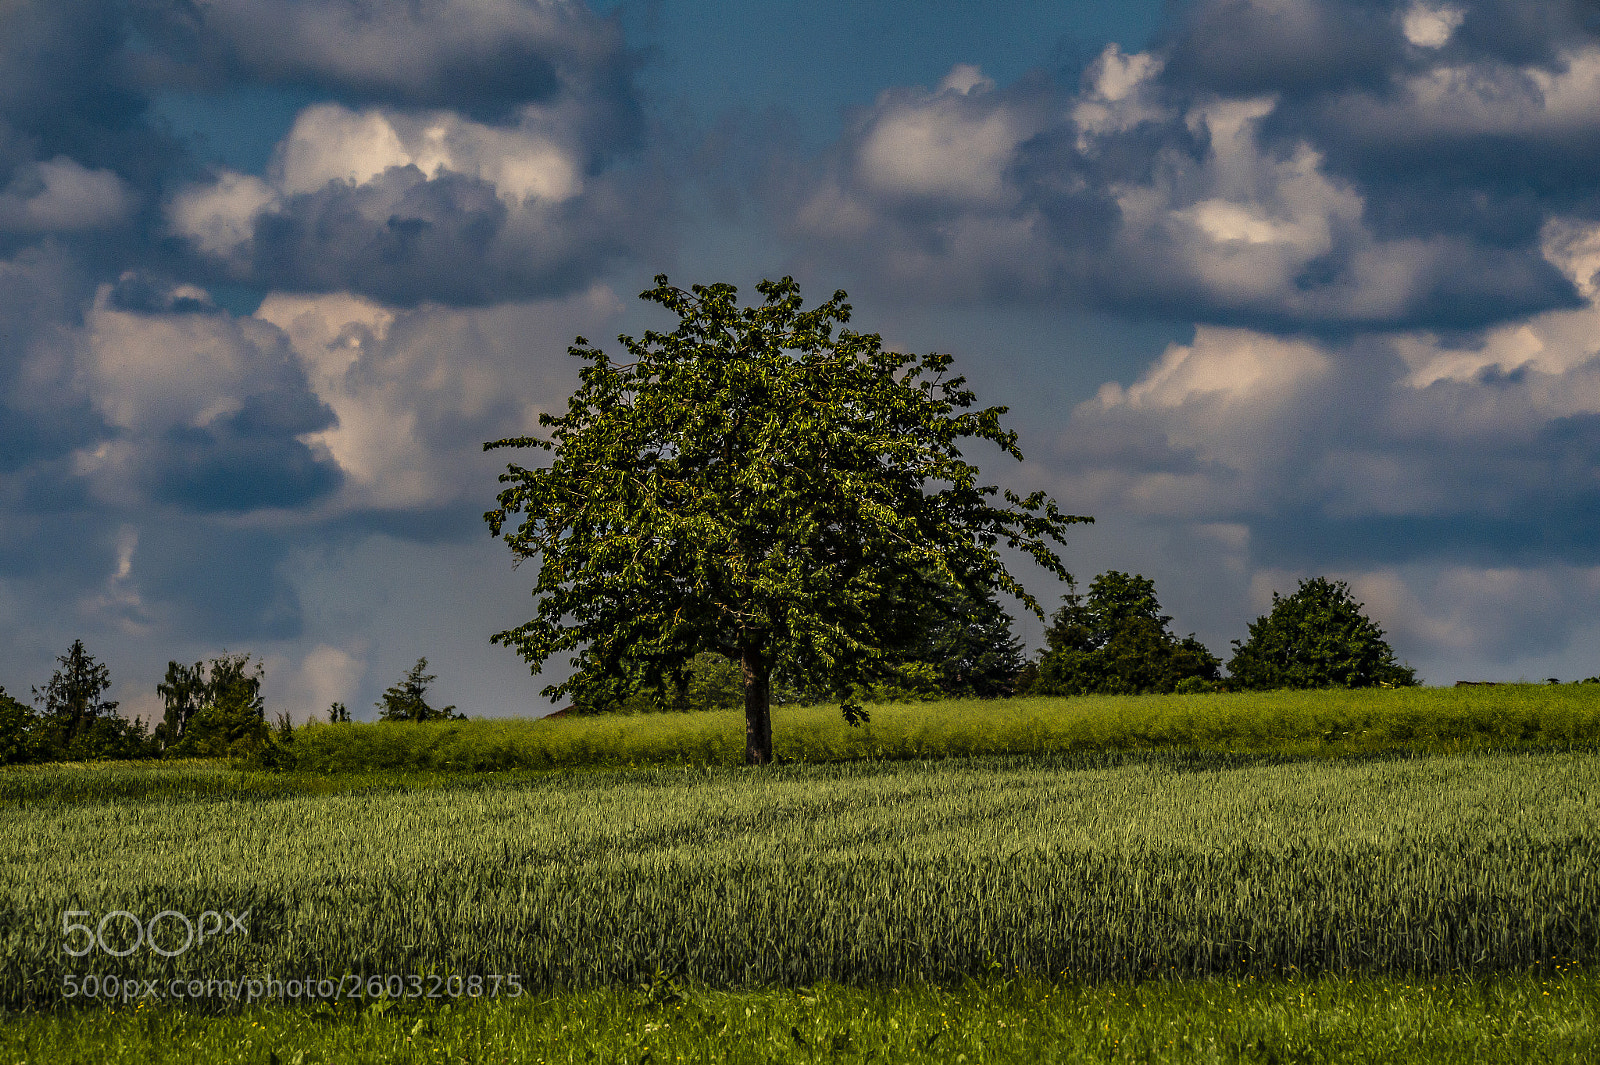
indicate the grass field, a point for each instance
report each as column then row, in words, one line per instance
column 1344, row 892
column 1508, row 1019
column 1310, row 724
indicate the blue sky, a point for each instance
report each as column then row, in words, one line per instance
column 1273, row 288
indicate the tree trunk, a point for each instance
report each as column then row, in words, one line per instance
column 757, row 672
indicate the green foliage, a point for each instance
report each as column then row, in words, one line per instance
column 1316, row 638
column 948, row 643
column 1090, row 867
column 944, row 643
column 758, row 482
column 1117, row 642
column 76, row 722
column 231, row 717
column 998, row 1018
column 710, row 682
column 338, row 714
column 406, row 700
column 20, row 739
column 1320, row 724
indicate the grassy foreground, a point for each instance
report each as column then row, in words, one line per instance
column 1512, row 1019
column 1321, row 723
column 1156, row 865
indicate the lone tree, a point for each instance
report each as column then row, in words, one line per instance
column 756, row 483
column 1117, row 642
column 1316, row 638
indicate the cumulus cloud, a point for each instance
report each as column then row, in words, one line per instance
column 1450, row 477
column 416, row 392
column 206, row 411
column 1285, row 164
column 1431, row 25
column 411, row 206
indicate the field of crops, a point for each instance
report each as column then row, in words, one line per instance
column 1313, row 724
column 1320, row 876
column 1109, row 866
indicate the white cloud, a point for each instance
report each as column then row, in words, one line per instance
column 220, row 217
column 119, row 601
column 951, row 144
column 61, row 195
column 1430, row 25
column 322, row 676
column 1230, row 366
column 1107, row 198
column 332, row 143
column 149, row 372
column 1558, row 347
column 1118, row 97
column 328, row 143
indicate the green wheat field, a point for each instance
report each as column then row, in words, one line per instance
column 1381, row 876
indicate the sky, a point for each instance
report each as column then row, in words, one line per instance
column 1272, row 289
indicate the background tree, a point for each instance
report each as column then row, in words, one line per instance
column 708, row 681
column 76, row 722
column 20, row 740
column 947, row 642
column 407, row 699
column 338, row 714
column 183, row 691
column 1316, row 638
column 1116, row 641
column 757, row 484
column 232, row 717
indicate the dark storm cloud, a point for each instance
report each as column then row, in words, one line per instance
column 44, row 415
column 216, row 583
column 192, row 578
column 484, row 58
column 66, row 85
column 403, row 238
column 246, row 461
column 1242, row 48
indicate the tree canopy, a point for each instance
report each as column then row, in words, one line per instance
column 944, row 644
column 759, row 482
column 1316, row 638
column 1116, row 641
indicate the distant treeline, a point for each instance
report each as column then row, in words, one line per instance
column 212, row 710
column 950, row 644
column 1111, row 640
